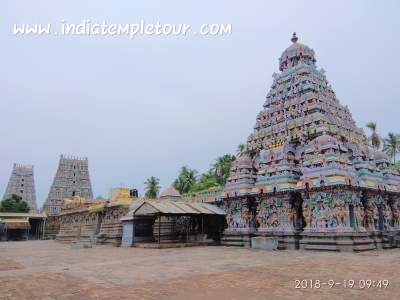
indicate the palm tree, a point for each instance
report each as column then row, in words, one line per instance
column 222, row 166
column 397, row 166
column 152, row 187
column 391, row 145
column 185, row 180
column 241, row 148
column 374, row 138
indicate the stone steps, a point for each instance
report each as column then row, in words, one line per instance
column 235, row 240
column 321, row 247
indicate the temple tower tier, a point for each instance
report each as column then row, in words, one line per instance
column 22, row 184
column 71, row 179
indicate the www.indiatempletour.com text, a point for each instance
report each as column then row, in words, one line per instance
column 131, row 30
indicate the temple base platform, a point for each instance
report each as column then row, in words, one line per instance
column 319, row 241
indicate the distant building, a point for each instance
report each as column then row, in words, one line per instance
column 22, row 226
column 170, row 193
column 72, row 179
column 22, row 184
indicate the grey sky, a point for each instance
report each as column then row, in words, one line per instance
column 147, row 106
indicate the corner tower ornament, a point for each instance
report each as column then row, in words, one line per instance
column 294, row 37
column 308, row 173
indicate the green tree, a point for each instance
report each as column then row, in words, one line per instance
column 397, row 166
column 391, row 145
column 14, row 204
column 222, row 166
column 185, row 180
column 207, row 180
column 240, row 149
column 374, row 138
column 152, row 187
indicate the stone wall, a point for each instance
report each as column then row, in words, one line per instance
column 52, row 227
column 100, row 227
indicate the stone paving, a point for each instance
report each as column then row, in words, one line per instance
column 50, row 270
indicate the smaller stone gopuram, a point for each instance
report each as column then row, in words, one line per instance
column 308, row 176
column 94, row 221
column 71, row 179
column 22, row 184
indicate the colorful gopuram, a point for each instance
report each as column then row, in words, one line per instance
column 308, row 176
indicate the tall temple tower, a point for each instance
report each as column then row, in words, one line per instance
column 72, row 179
column 308, row 170
column 22, row 184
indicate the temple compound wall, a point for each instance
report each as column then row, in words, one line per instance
column 332, row 218
column 99, row 227
column 94, row 221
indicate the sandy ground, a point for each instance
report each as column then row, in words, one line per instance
column 50, row 270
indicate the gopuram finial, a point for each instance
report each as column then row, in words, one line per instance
column 294, row 37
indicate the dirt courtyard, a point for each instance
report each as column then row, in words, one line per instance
column 50, row 270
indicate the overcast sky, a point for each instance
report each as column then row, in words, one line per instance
column 149, row 105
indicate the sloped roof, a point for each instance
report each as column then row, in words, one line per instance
column 151, row 207
column 16, row 223
column 31, row 214
column 169, row 192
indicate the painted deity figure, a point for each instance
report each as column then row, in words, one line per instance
column 262, row 216
column 234, row 215
column 360, row 215
column 290, row 215
column 369, row 218
column 323, row 215
column 341, row 214
column 307, row 214
column 246, row 216
column 372, row 217
column 387, row 216
column 268, row 215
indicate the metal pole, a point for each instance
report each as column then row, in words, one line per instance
column 159, row 228
column 43, row 227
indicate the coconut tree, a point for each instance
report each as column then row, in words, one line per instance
column 185, row 180
column 222, row 166
column 391, row 145
column 374, row 138
column 152, row 187
column 241, row 148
